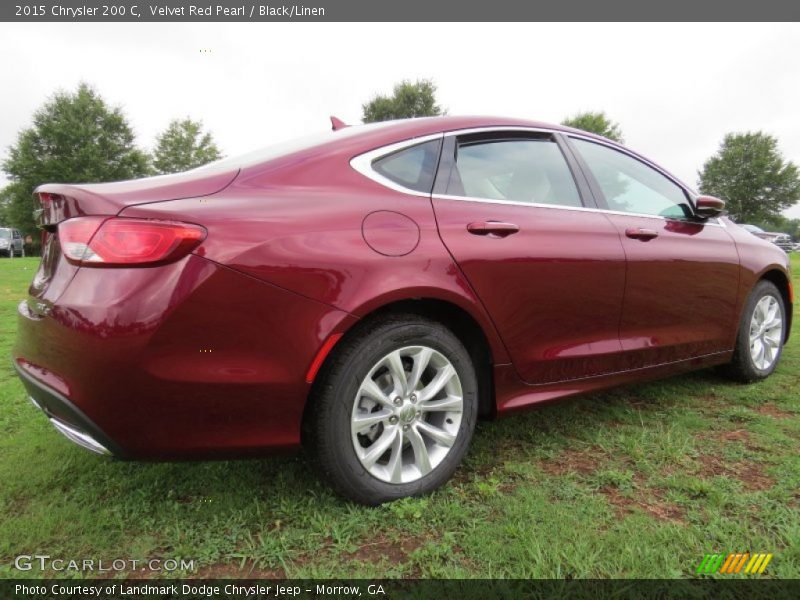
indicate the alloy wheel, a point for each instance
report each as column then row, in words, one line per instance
column 407, row 414
column 766, row 332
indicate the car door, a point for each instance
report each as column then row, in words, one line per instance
column 549, row 272
column 682, row 272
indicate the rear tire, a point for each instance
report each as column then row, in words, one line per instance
column 393, row 410
column 762, row 331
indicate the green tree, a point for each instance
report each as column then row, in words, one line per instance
column 750, row 174
column 5, row 201
column 596, row 122
column 183, row 146
column 75, row 137
column 408, row 99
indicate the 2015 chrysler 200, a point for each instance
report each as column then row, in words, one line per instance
column 372, row 291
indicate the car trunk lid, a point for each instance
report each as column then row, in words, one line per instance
column 56, row 202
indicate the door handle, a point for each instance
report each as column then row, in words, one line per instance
column 640, row 233
column 492, row 228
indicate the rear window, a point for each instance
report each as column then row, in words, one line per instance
column 288, row 147
column 413, row 168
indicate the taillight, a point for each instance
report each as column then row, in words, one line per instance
column 112, row 241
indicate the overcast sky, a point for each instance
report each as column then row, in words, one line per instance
column 675, row 89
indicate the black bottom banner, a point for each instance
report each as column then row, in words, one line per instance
column 453, row 589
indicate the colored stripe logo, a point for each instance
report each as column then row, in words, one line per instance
column 735, row 562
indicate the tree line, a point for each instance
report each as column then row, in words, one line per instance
column 77, row 137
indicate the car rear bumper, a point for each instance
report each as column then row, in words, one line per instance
column 67, row 418
column 186, row 360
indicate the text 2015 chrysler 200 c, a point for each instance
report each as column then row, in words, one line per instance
column 372, row 291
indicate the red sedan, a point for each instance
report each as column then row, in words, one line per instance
column 373, row 291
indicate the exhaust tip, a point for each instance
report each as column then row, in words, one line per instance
column 80, row 438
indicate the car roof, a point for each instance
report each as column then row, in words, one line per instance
column 357, row 139
column 354, row 140
column 420, row 126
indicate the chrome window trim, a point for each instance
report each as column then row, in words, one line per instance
column 363, row 164
column 498, row 128
column 717, row 222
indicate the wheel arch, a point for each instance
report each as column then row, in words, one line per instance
column 784, row 285
column 458, row 320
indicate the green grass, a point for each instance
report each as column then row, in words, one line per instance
column 640, row 482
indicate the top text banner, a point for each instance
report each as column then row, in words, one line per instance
column 403, row 10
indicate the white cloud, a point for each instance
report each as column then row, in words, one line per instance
column 676, row 89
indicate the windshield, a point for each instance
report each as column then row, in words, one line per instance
column 5, row 234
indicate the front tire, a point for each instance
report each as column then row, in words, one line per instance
column 762, row 331
column 393, row 412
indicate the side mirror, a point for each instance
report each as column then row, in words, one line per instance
column 708, row 207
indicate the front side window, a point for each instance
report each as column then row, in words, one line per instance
column 630, row 185
column 413, row 168
column 531, row 171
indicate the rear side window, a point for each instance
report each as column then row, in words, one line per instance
column 531, row 171
column 413, row 168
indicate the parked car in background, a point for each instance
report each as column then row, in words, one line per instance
column 781, row 240
column 371, row 292
column 784, row 242
column 11, row 242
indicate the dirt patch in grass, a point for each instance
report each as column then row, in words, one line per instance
column 749, row 473
column 712, row 466
column 753, row 477
column 385, row 549
column 583, row 462
column 650, row 500
column 771, row 410
column 507, row 488
column 738, row 435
